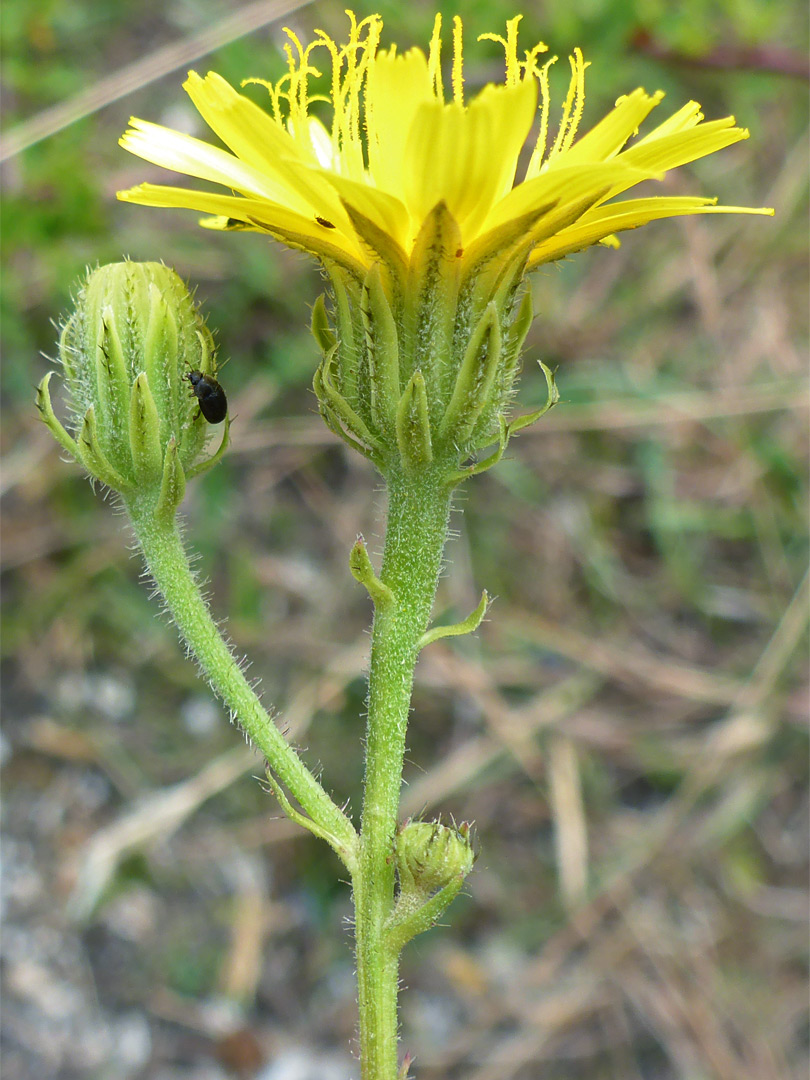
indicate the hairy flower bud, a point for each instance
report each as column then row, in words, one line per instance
column 432, row 861
column 430, row 855
column 127, row 350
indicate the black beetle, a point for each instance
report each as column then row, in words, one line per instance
column 210, row 395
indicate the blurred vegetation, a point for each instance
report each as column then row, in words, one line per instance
column 627, row 729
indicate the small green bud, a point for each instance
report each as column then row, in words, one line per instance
column 432, row 861
column 430, row 856
column 127, row 350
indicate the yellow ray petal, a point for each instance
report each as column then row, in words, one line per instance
column 569, row 185
column 386, row 211
column 396, row 87
column 686, row 117
column 184, row 154
column 252, row 211
column 607, row 138
column 467, row 156
column 256, row 138
column 671, row 150
column 251, row 133
column 602, row 222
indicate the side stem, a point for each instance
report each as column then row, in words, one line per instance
column 167, row 562
column 416, row 531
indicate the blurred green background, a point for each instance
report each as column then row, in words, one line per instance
column 628, row 728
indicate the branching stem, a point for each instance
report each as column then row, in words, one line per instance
column 168, row 564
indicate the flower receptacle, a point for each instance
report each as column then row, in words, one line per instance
column 418, row 374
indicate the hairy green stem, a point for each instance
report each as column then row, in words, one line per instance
column 416, row 531
column 168, row 564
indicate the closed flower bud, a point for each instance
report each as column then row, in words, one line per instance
column 127, row 350
column 430, row 856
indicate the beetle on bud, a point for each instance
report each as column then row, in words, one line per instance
column 210, row 395
column 124, row 349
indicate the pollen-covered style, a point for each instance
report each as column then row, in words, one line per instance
column 399, row 144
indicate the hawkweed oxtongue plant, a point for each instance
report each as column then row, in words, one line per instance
column 407, row 195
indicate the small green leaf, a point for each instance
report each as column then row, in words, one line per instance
column 144, row 432
column 93, row 458
column 339, row 407
column 430, row 300
column 553, row 397
column 486, row 463
column 216, row 457
column 383, row 351
column 112, row 384
column 466, row 626
column 363, row 571
column 474, row 381
column 43, row 403
column 347, row 854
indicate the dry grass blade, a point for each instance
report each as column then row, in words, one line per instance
column 676, row 408
column 155, row 65
column 570, row 825
column 629, row 664
column 158, row 816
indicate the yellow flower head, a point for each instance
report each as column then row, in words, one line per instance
column 410, row 200
column 399, row 145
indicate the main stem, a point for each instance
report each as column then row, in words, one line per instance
column 416, row 531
